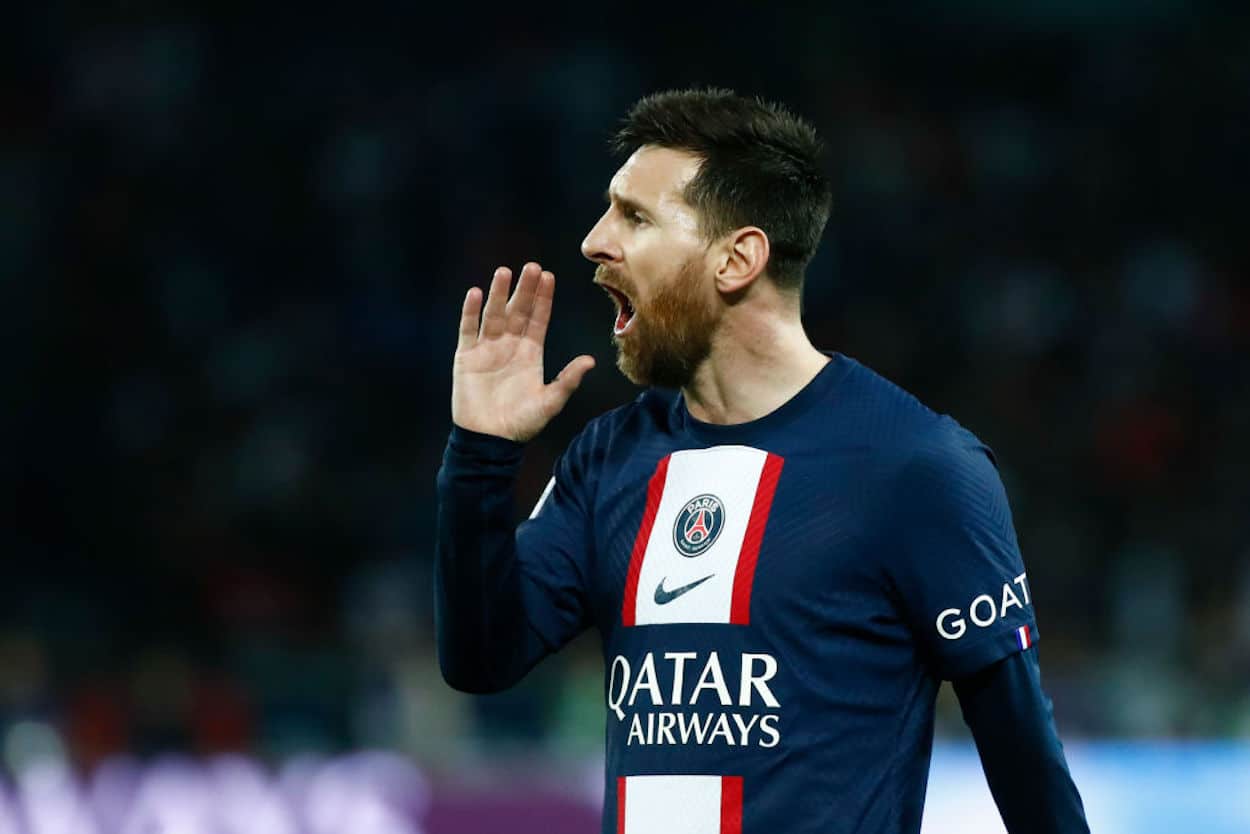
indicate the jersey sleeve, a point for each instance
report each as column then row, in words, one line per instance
column 553, row 552
column 955, row 564
column 505, row 596
column 1025, row 768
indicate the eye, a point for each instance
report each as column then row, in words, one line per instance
column 634, row 218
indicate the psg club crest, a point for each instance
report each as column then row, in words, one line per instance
column 698, row 525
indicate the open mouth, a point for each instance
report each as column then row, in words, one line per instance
column 624, row 310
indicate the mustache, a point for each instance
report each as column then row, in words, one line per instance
column 606, row 274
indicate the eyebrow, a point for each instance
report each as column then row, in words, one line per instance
column 625, row 202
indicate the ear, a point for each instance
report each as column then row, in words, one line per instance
column 743, row 257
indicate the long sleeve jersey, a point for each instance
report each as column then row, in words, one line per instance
column 778, row 603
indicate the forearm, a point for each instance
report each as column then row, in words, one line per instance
column 485, row 642
column 1011, row 721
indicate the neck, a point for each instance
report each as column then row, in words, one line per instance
column 755, row 366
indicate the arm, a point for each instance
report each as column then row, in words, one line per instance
column 502, row 600
column 485, row 640
column 961, row 579
column 1010, row 718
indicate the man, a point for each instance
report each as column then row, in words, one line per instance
column 784, row 554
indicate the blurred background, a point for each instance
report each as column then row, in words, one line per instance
column 232, row 252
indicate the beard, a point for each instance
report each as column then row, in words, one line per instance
column 671, row 334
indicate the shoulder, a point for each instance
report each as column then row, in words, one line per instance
column 947, row 466
column 933, row 487
column 918, row 450
column 644, row 414
column 648, row 410
column 884, row 414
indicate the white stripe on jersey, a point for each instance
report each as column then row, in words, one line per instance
column 732, row 475
column 542, row 499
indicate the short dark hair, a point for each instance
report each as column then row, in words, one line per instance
column 760, row 167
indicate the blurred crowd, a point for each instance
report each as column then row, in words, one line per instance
column 233, row 254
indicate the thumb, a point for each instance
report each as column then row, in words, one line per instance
column 567, row 381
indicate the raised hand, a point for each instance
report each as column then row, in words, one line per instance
column 497, row 382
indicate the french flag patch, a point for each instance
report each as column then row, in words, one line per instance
column 1024, row 637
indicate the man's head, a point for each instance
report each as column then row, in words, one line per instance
column 718, row 192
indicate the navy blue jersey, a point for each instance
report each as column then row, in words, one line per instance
column 778, row 601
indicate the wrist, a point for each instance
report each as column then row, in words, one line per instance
column 481, row 446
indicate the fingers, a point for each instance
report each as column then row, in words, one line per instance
column 567, row 381
column 540, row 313
column 496, row 304
column 502, row 314
column 522, row 302
column 469, row 319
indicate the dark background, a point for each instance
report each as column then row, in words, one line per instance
column 233, row 248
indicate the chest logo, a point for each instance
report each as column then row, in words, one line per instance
column 698, row 525
column 663, row 597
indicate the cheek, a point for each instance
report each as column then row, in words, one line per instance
column 659, row 258
column 672, row 241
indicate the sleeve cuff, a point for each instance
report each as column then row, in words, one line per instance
column 475, row 447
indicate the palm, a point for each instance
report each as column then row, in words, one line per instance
column 497, row 377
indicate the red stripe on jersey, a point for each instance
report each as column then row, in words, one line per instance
column 655, row 491
column 731, row 805
column 740, row 607
column 620, row 805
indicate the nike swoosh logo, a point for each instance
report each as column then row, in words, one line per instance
column 663, row 597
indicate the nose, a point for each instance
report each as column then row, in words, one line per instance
column 600, row 244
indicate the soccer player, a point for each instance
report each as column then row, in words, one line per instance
column 784, row 554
